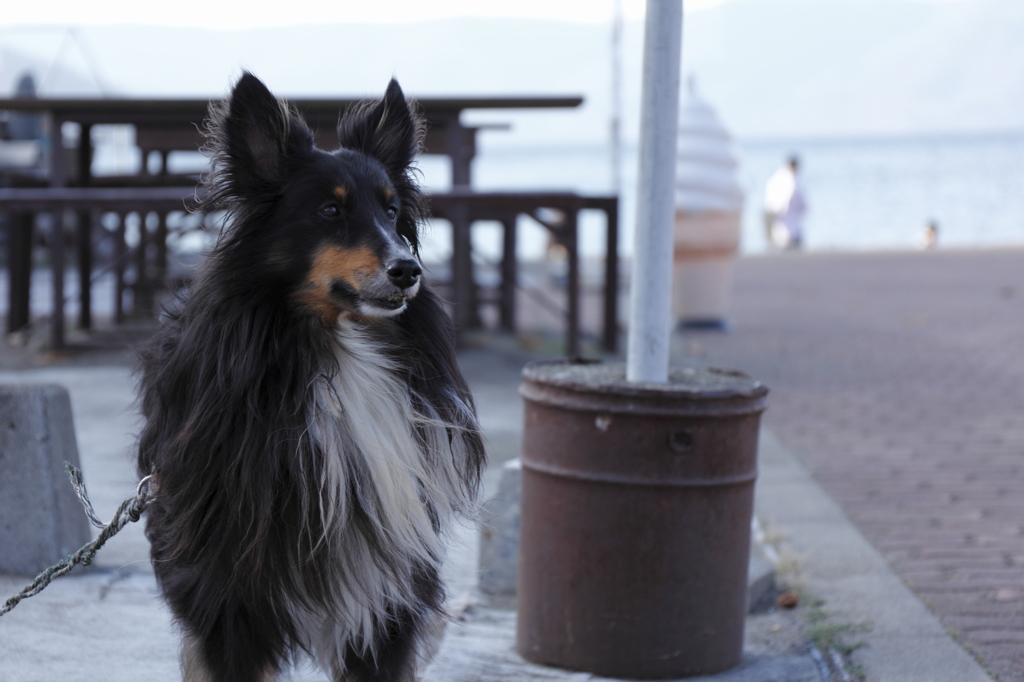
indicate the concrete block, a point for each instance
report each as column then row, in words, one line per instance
column 41, row 520
column 499, row 534
column 760, row 575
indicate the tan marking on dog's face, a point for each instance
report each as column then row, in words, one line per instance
column 355, row 267
column 340, row 192
column 389, row 194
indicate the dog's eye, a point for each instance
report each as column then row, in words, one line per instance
column 330, row 210
column 392, row 212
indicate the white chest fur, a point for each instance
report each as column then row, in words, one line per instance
column 399, row 466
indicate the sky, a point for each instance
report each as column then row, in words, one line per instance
column 227, row 14
column 772, row 68
column 221, row 14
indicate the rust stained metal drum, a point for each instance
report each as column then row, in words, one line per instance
column 636, row 509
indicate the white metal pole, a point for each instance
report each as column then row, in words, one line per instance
column 651, row 280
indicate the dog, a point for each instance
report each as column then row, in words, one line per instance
column 309, row 432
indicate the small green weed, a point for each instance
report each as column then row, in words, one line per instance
column 828, row 634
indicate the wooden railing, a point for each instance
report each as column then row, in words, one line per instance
column 148, row 257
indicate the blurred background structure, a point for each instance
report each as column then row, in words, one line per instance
column 898, row 117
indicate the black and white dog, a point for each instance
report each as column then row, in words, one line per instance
column 309, row 431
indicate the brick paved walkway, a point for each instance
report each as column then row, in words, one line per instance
column 899, row 380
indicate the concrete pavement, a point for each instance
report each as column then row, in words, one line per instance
column 898, row 380
column 927, row 471
column 108, row 623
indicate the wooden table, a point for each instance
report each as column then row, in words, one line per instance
column 165, row 125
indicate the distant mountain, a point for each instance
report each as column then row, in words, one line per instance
column 64, row 79
column 772, row 67
column 861, row 67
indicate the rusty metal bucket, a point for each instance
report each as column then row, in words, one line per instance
column 636, row 508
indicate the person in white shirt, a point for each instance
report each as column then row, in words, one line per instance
column 784, row 206
column 930, row 237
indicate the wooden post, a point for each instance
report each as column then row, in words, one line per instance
column 141, row 289
column 58, row 178
column 570, row 241
column 19, row 269
column 57, row 277
column 509, row 274
column 463, row 289
column 120, row 255
column 83, row 244
column 460, row 142
column 160, row 255
column 84, row 250
column 610, row 333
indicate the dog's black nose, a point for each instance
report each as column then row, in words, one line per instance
column 404, row 273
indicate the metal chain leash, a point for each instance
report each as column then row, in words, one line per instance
column 129, row 511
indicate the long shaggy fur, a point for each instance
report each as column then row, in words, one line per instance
column 310, row 432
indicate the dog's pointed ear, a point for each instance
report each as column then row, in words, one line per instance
column 388, row 130
column 254, row 133
column 391, row 132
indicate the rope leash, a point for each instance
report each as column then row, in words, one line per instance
column 129, row 511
